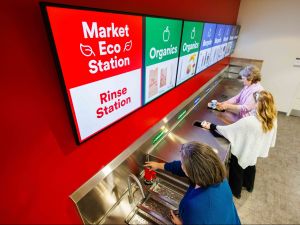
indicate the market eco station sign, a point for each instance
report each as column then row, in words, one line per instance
column 100, row 56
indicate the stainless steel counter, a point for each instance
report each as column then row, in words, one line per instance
column 103, row 199
column 168, row 149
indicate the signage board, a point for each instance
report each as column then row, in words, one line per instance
column 237, row 32
column 112, row 63
column 205, row 47
column 230, row 42
column 190, row 45
column 162, row 47
column 100, row 61
column 236, row 35
column 227, row 31
column 216, row 51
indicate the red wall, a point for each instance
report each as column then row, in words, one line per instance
column 40, row 163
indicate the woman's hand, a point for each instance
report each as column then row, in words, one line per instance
column 155, row 165
column 205, row 124
column 229, row 107
column 175, row 219
column 222, row 106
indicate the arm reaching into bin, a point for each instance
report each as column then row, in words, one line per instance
column 155, row 165
column 173, row 167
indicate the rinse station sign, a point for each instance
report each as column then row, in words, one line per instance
column 100, row 59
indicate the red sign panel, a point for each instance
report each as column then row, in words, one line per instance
column 100, row 56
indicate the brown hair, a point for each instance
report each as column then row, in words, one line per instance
column 253, row 74
column 266, row 110
column 202, row 164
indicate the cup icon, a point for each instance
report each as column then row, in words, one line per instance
column 166, row 34
column 214, row 104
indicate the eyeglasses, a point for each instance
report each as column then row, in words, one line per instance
column 181, row 148
column 256, row 96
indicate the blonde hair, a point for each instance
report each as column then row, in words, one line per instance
column 202, row 164
column 266, row 110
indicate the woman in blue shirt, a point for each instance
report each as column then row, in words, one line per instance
column 208, row 199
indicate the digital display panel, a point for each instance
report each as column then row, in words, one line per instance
column 113, row 63
column 237, row 32
column 236, row 35
column 216, row 51
column 190, row 45
column 225, row 40
column 230, row 42
column 204, row 57
column 162, row 47
column 100, row 60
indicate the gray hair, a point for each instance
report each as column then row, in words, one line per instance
column 252, row 73
column 202, row 164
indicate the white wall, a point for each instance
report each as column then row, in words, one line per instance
column 271, row 32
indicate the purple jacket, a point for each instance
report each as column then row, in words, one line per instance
column 246, row 99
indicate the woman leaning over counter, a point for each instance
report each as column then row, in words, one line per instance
column 250, row 137
column 208, row 199
column 243, row 103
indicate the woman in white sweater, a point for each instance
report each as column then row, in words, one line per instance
column 250, row 137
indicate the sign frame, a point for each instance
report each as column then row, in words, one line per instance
column 54, row 50
column 59, row 70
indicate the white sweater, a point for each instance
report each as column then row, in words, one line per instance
column 247, row 139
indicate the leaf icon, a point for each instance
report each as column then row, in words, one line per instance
column 86, row 50
column 128, row 46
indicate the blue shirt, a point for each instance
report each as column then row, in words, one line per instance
column 210, row 205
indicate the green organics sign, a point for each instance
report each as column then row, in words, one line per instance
column 162, row 39
column 191, row 37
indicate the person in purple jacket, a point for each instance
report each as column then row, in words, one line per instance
column 208, row 199
column 244, row 102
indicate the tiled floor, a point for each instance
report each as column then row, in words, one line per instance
column 276, row 195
